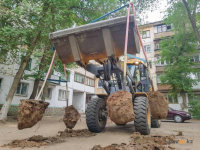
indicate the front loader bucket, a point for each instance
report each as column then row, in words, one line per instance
column 97, row 41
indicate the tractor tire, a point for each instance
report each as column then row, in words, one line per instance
column 155, row 123
column 94, row 119
column 142, row 115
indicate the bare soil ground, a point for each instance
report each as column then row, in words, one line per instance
column 113, row 134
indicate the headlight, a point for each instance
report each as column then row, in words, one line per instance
column 187, row 114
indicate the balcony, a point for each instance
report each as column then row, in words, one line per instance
column 162, row 34
column 159, row 69
column 163, row 87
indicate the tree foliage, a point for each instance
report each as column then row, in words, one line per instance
column 177, row 51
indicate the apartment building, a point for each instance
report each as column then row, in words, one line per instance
column 81, row 88
column 151, row 35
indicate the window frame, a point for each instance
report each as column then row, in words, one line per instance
column 47, row 98
column 167, row 96
column 146, row 48
column 146, row 34
column 64, row 95
column 88, row 79
column 161, row 26
column 19, row 94
column 28, row 65
column 75, row 79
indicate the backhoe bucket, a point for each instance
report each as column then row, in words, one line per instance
column 97, row 41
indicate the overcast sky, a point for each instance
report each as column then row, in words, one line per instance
column 156, row 15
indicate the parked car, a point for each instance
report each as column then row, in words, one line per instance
column 177, row 115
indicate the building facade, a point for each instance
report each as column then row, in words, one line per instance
column 151, row 36
column 81, row 88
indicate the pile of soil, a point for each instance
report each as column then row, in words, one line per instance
column 30, row 112
column 75, row 133
column 34, row 141
column 141, row 142
column 39, row 140
column 158, row 105
column 120, row 107
column 71, row 116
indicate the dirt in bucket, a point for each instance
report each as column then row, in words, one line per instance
column 30, row 112
column 142, row 142
column 71, row 116
column 158, row 105
column 120, row 107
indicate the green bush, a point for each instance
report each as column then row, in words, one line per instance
column 194, row 108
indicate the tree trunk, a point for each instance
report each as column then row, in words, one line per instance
column 19, row 74
column 192, row 19
column 184, row 100
column 37, row 80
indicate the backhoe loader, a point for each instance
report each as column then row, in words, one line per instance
column 104, row 42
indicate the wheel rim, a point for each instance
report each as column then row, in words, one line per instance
column 102, row 115
column 148, row 116
column 178, row 118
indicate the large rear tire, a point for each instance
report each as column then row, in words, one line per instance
column 96, row 115
column 155, row 123
column 142, row 115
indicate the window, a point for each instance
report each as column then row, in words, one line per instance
column 0, row 82
column 49, row 93
column 195, row 58
column 161, row 28
column 22, row 88
column 150, row 64
column 62, row 95
column 63, row 77
column 158, row 79
column 197, row 76
column 100, row 85
column 157, row 45
column 28, row 66
column 147, row 48
column 79, row 78
column 194, row 97
column 89, row 81
column 171, row 99
column 146, row 34
column 159, row 61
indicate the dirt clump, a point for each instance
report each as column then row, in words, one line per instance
column 75, row 133
column 71, row 116
column 141, row 142
column 158, row 105
column 34, row 141
column 120, row 107
column 30, row 112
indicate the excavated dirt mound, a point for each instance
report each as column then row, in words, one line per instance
column 158, row 105
column 120, row 107
column 141, row 142
column 30, row 112
column 34, row 141
column 39, row 140
column 71, row 116
column 75, row 133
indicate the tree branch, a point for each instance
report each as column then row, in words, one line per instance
column 194, row 11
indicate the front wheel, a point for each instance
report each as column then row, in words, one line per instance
column 142, row 115
column 178, row 119
column 96, row 115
